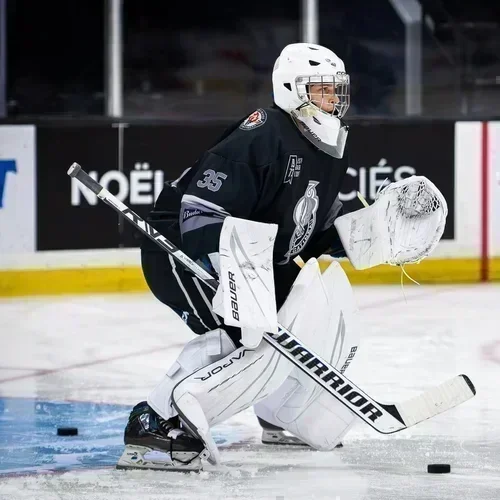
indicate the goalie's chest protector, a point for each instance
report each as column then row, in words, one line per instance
column 309, row 182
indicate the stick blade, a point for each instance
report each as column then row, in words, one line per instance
column 437, row 400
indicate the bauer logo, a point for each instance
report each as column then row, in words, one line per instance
column 234, row 296
column 6, row 167
column 141, row 186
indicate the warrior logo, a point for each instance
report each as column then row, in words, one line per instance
column 304, row 216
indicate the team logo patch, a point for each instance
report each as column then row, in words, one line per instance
column 256, row 119
column 304, row 216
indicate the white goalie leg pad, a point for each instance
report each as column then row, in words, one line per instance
column 199, row 352
column 300, row 406
column 232, row 384
column 245, row 297
column 246, row 376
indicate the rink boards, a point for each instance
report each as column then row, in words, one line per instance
column 55, row 237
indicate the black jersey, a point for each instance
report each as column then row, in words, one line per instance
column 264, row 170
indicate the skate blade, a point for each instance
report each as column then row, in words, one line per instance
column 280, row 438
column 139, row 457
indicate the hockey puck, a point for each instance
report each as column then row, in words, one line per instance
column 67, row 431
column 438, row 468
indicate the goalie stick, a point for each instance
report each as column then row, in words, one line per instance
column 384, row 418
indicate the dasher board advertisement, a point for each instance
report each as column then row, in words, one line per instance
column 17, row 189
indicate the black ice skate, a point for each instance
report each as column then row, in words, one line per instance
column 152, row 442
column 272, row 434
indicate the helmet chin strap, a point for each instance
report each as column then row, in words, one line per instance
column 327, row 133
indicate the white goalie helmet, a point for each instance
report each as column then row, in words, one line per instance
column 299, row 66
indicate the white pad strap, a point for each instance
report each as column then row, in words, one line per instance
column 246, row 296
column 403, row 226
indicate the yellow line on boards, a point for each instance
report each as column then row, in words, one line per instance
column 17, row 283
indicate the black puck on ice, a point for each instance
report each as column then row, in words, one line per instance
column 438, row 468
column 67, row 431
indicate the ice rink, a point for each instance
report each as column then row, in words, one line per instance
column 84, row 361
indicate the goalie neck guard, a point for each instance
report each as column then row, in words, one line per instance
column 299, row 66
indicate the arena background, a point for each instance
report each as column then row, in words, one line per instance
column 135, row 92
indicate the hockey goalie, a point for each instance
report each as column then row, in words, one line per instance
column 264, row 194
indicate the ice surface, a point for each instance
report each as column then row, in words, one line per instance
column 85, row 360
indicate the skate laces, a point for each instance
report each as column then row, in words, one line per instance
column 169, row 428
column 164, row 425
column 175, row 433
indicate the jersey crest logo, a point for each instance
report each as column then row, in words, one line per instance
column 304, row 216
column 256, row 119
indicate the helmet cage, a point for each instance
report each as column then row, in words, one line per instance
column 341, row 84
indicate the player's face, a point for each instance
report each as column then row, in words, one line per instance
column 323, row 95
